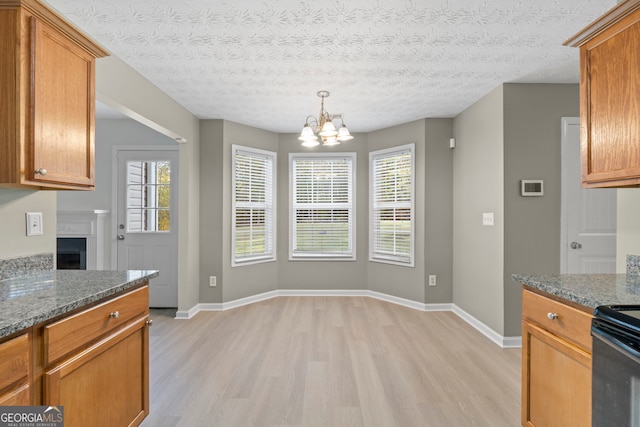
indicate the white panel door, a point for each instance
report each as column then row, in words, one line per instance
column 147, row 219
column 588, row 215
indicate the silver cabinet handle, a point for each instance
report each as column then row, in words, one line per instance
column 41, row 171
column 576, row 245
column 120, row 236
column 149, row 322
column 114, row 315
column 552, row 316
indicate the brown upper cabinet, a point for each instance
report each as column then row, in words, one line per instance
column 610, row 97
column 47, row 88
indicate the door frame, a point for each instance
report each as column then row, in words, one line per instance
column 114, row 192
column 564, row 153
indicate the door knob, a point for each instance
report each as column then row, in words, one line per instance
column 576, row 245
column 120, row 237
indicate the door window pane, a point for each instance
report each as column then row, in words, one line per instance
column 148, row 196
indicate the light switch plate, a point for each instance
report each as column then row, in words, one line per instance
column 34, row 224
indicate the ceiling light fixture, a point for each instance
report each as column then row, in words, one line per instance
column 323, row 126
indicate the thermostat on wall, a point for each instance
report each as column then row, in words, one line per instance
column 531, row 187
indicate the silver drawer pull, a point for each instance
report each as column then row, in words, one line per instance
column 114, row 315
column 149, row 322
column 552, row 316
column 41, row 171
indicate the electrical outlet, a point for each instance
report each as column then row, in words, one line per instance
column 432, row 280
column 212, row 281
column 487, row 219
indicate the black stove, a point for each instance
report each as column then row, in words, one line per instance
column 616, row 366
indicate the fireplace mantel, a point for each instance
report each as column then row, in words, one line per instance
column 87, row 224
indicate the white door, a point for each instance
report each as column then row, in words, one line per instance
column 588, row 215
column 147, row 219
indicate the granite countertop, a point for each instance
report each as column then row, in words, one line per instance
column 590, row 290
column 36, row 297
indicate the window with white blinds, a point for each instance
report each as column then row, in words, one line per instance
column 322, row 206
column 392, row 205
column 253, row 212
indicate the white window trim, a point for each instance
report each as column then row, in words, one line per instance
column 322, row 257
column 274, row 159
column 373, row 257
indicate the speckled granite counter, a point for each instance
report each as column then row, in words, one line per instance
column 30, row 299
column 590, row 290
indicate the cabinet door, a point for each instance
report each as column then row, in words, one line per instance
column 15, row 360
column 556, row 386
column 62, row 140
column 107, row 384
column 19, row 397
column 610, row 98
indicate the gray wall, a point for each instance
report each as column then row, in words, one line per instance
column 512, row 133
column 233, row 283
column 532, row 150
column 478, row 187
column 438, row 210
column 211, row 204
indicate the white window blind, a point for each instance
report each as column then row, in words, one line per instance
column 253, row 226
column 322, row 214
column 392, row 205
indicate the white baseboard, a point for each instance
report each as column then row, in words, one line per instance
column 397, row 300
column 323, row 293
column 188, row 314
column 504, row 342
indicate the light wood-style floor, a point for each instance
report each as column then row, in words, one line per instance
column 328, row 361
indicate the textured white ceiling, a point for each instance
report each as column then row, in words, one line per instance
column 385, row 62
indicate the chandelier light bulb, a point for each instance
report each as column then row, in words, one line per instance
column 344, row 134
column 311, row 142
column 307, row 133
column 328, row 129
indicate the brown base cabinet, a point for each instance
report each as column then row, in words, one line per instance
column 118, row 381
column 94, row 362
column 556, row 363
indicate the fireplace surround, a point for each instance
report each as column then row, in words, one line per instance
column 72, row 228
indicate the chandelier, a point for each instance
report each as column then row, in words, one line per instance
column 323, row 126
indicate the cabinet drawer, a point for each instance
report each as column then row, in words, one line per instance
column 14, row 360
column 75, row 331
column 571, row 324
